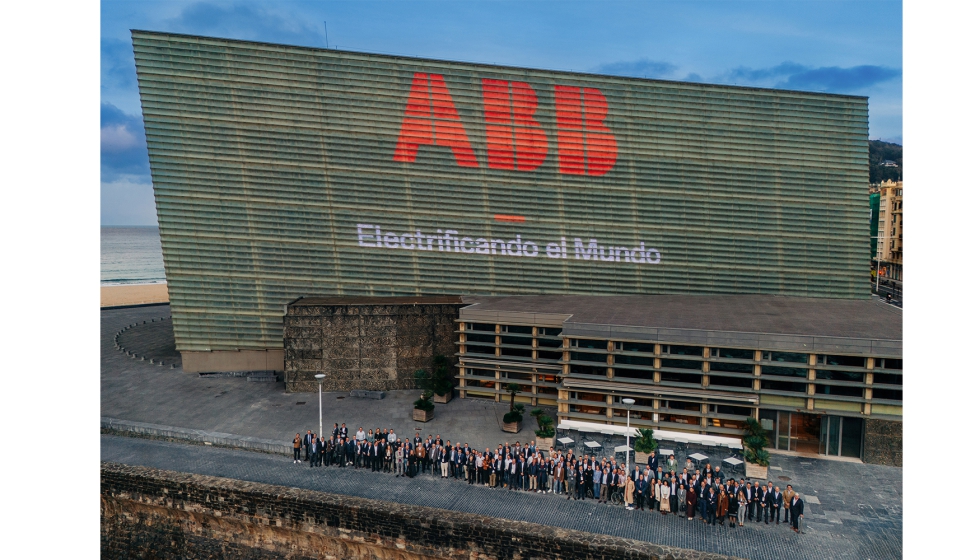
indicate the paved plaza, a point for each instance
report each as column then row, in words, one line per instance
column 853, row 510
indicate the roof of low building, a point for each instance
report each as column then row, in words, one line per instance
column 760, row 319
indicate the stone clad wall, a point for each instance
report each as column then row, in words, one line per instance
column 883, row 442
column 180, row 515
column 374, row 347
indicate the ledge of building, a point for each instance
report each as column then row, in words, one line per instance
column 126, row 427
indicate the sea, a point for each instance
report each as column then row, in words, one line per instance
column 131, row 255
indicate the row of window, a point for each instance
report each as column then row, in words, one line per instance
column 855, row 391
column 666, row 349
column 513, row 329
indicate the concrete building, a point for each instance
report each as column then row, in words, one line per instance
column 824, row 375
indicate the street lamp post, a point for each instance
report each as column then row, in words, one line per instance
column 629, row 404
column 319, row 379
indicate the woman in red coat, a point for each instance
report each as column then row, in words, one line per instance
column 692, row 500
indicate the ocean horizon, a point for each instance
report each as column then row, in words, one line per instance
column 131, row 255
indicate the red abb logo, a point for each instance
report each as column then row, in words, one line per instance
column 515, row 140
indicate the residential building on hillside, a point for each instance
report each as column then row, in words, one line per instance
column 889, row 254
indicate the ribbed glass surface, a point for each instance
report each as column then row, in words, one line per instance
column 266, row 157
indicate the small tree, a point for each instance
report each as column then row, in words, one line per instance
column 513, row 389
column 425, row 401
column 546, row 424
column 645, row 442
column 755, row 440
column 516, row 414
column 442, row 381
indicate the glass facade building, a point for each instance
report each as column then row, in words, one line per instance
column 282, row 171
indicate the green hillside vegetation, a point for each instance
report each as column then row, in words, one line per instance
column 878, row 152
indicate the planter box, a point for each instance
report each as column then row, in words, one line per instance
column 513, row 427
column 443, row 399
column 543, row 444
column 755, row 471
column 421, row 415
column 641, row 458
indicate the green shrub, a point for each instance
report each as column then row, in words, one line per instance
column 546, row 424
column 439, row 381
column 425, row 402
column 645, row 442
column 755, row 440
column 515, row 415
column 442, row 380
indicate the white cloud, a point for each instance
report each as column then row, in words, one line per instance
column 117, row 138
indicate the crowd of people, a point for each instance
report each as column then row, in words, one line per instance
column 660, row 486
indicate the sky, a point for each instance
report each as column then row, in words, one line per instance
column 850, row 47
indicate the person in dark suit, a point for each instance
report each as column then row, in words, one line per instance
column 336, row 430
column 712, row 506
column 796, row 511
column 703, row 493
column 307, row 444
column 351, row 449
column 750, row 496
column 328, row 452
column 653, row 462
column 375, row 456
column 765, row 495
column 774, row 504
column 313, row 452
column 642, row 489
column 756, row 502
column 343, row 430
column 673, row 494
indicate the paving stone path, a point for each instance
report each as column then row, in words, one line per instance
column 859, row 514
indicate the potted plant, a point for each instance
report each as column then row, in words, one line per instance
column 756, row 456
column 514, row 419
column 546, row 429
column 644, row 445
column 442, row 381
column 424, row 409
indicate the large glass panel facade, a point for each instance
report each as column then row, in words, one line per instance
column 680, row 364
column 736, row 353
column 852, row 433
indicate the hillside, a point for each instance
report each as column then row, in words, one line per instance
column 878, row 152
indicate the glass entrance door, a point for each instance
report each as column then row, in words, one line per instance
column 841, row 436
column 784, row 429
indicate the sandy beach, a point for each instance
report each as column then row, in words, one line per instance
column 134, row 294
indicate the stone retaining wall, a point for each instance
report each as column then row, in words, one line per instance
column 358, row 345
column 164, row 514
column 883, row 442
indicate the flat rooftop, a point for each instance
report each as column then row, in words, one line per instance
column 370, row 300
column 746, row 320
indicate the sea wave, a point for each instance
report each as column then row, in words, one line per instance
column 130, row 282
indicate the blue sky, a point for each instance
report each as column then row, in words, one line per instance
column 852, row 47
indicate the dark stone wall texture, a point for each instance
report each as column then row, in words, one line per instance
column 883, row 442
column 151, row 513
column 373, row 347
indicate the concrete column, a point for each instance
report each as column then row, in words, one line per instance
column 496, row 374
column 609, row 410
